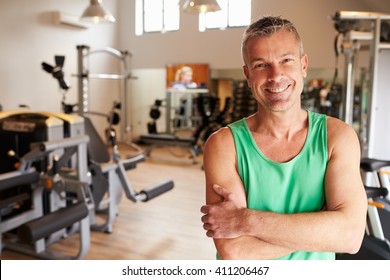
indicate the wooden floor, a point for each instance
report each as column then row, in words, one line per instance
column 166, row 228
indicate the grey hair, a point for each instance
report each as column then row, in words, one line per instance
column 267, row 26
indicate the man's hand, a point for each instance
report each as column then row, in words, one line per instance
column 224, row 219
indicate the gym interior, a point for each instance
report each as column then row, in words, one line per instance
column 101, row 144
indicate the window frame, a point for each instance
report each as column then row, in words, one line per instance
column 202, row 26
column 140, row 15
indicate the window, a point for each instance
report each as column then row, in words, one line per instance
column 164, row 15
column 156, row 16
column 233, row 13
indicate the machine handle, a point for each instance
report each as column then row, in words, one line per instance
column 150, row 193
column 373, row 192
column 131, row 163
column 376, row 204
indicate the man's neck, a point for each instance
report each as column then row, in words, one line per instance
column 278, row 124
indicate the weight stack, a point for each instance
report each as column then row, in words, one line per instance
column 243, row 102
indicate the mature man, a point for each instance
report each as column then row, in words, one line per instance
column 283, row 183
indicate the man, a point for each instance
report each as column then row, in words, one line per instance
column 283, row 183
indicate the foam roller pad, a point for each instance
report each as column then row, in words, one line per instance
column 50, row 223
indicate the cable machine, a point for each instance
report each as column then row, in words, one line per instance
column 367, row 31
column 84, row 76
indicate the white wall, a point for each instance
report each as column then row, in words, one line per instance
column 221, row 48
column 29, row 37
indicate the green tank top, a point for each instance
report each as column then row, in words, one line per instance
column 291, row 187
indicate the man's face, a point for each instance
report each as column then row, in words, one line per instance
column 275, row 70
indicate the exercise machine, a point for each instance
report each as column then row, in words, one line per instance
column 211, row 119
column 155, row 139
column 375, row 245
column 109, row 178
column 184, row 119
column 83, row 54
column 108, row 170
column 105, row 174
column 33, row 229
column 366, row 34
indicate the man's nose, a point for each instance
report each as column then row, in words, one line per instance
column 274, row 73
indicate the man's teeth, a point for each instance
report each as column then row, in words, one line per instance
column 277, row 89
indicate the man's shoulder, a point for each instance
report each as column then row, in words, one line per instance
column 337, row 126
column 219, row 137
column 340, row 133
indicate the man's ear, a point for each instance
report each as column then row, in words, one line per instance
column 304, row 63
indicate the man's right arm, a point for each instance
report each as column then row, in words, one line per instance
column 221, row 168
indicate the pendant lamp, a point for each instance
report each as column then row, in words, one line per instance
column 96, row 13
column 201, row 6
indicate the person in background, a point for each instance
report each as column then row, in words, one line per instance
column 283, row 183
column 183, row 78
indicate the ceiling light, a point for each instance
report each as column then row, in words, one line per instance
column 96, row 13
column 201, row 6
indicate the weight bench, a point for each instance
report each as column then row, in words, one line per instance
column 164, row 140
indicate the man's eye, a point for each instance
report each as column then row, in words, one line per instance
column 261, row 65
